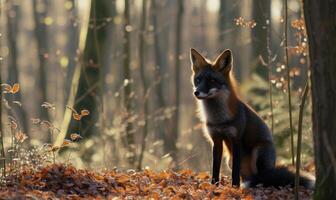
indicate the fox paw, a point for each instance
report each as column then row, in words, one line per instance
column 215, row 181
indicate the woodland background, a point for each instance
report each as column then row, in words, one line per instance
column 113, row 78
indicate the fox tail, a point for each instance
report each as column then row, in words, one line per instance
column 279, row 177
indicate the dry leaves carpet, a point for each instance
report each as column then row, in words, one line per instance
column 61, row 181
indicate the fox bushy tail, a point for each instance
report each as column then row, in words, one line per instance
column 279, row 177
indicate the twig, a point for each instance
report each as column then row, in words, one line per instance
column 3, row 156
column 299, row 140
column 269, row 67
column 288, row 81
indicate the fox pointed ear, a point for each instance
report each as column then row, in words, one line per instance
column 197, row 60
column 223, row 62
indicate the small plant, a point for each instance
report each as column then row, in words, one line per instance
column 52, row 129
column 17, row 136
column 74, row 137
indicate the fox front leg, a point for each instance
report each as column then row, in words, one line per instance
column 236, row 164
column 217, row 151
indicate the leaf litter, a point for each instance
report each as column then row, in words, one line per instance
column 60, row 181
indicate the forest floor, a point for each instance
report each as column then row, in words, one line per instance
column 59, row 181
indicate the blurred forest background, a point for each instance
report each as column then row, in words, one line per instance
column 112, row 77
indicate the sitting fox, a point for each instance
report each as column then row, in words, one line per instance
column 229, row 120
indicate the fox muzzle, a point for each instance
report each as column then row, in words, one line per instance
column 202, row 95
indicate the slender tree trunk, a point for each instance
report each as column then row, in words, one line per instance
column 128, row 102
column 142, row 45
column 2, row 150
column 229, row 34
column 221, row 20
column 40, row 14
column 159, row 71
column 286, row 60
column 178, row 40
column 13, row 17
column 245, row 43
column 67, row 126
column 261, row 14
column 72, row 45
column 320, row 19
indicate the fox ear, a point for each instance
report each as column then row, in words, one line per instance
column 223, row 62
column 197, row 60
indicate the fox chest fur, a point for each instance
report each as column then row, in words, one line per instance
column 217, row 115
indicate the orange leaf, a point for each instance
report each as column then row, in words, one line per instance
column 13, row 124
column 20, row 136
column 186, row 172
column 66, row 143
column 75, row 136
column 15, row 88
column 123, row 178
column 205, row 186
column 76, row 116
column 203, row 175
column 54, row 148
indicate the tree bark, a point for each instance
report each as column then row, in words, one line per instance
column 230, row 34
column 142, row 45
column 13, row 17
column 160, row 65
column 90, row 84
column 40, row 14
column 71, row 101
column 128, row 101
column 261, row 13
column 320, row 19
column 2, row 150
column 71, row 48
column 178, row 42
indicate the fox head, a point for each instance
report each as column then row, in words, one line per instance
column 211, row 78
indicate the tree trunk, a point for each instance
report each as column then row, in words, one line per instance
column 320, row 19
column 229, row 34
column 178, row 40
column 261, row 13
column 40, row 14
column 67, row 126
column 13, row 18
column 221, row 21
column 89, row 94
column 128, row 102
column 2, row 150
column 142, row 45
column 160, row 64
column 71, row 48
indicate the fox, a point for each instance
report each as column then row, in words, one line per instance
column 230, row 121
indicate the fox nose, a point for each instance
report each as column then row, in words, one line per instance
column 196, row 93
